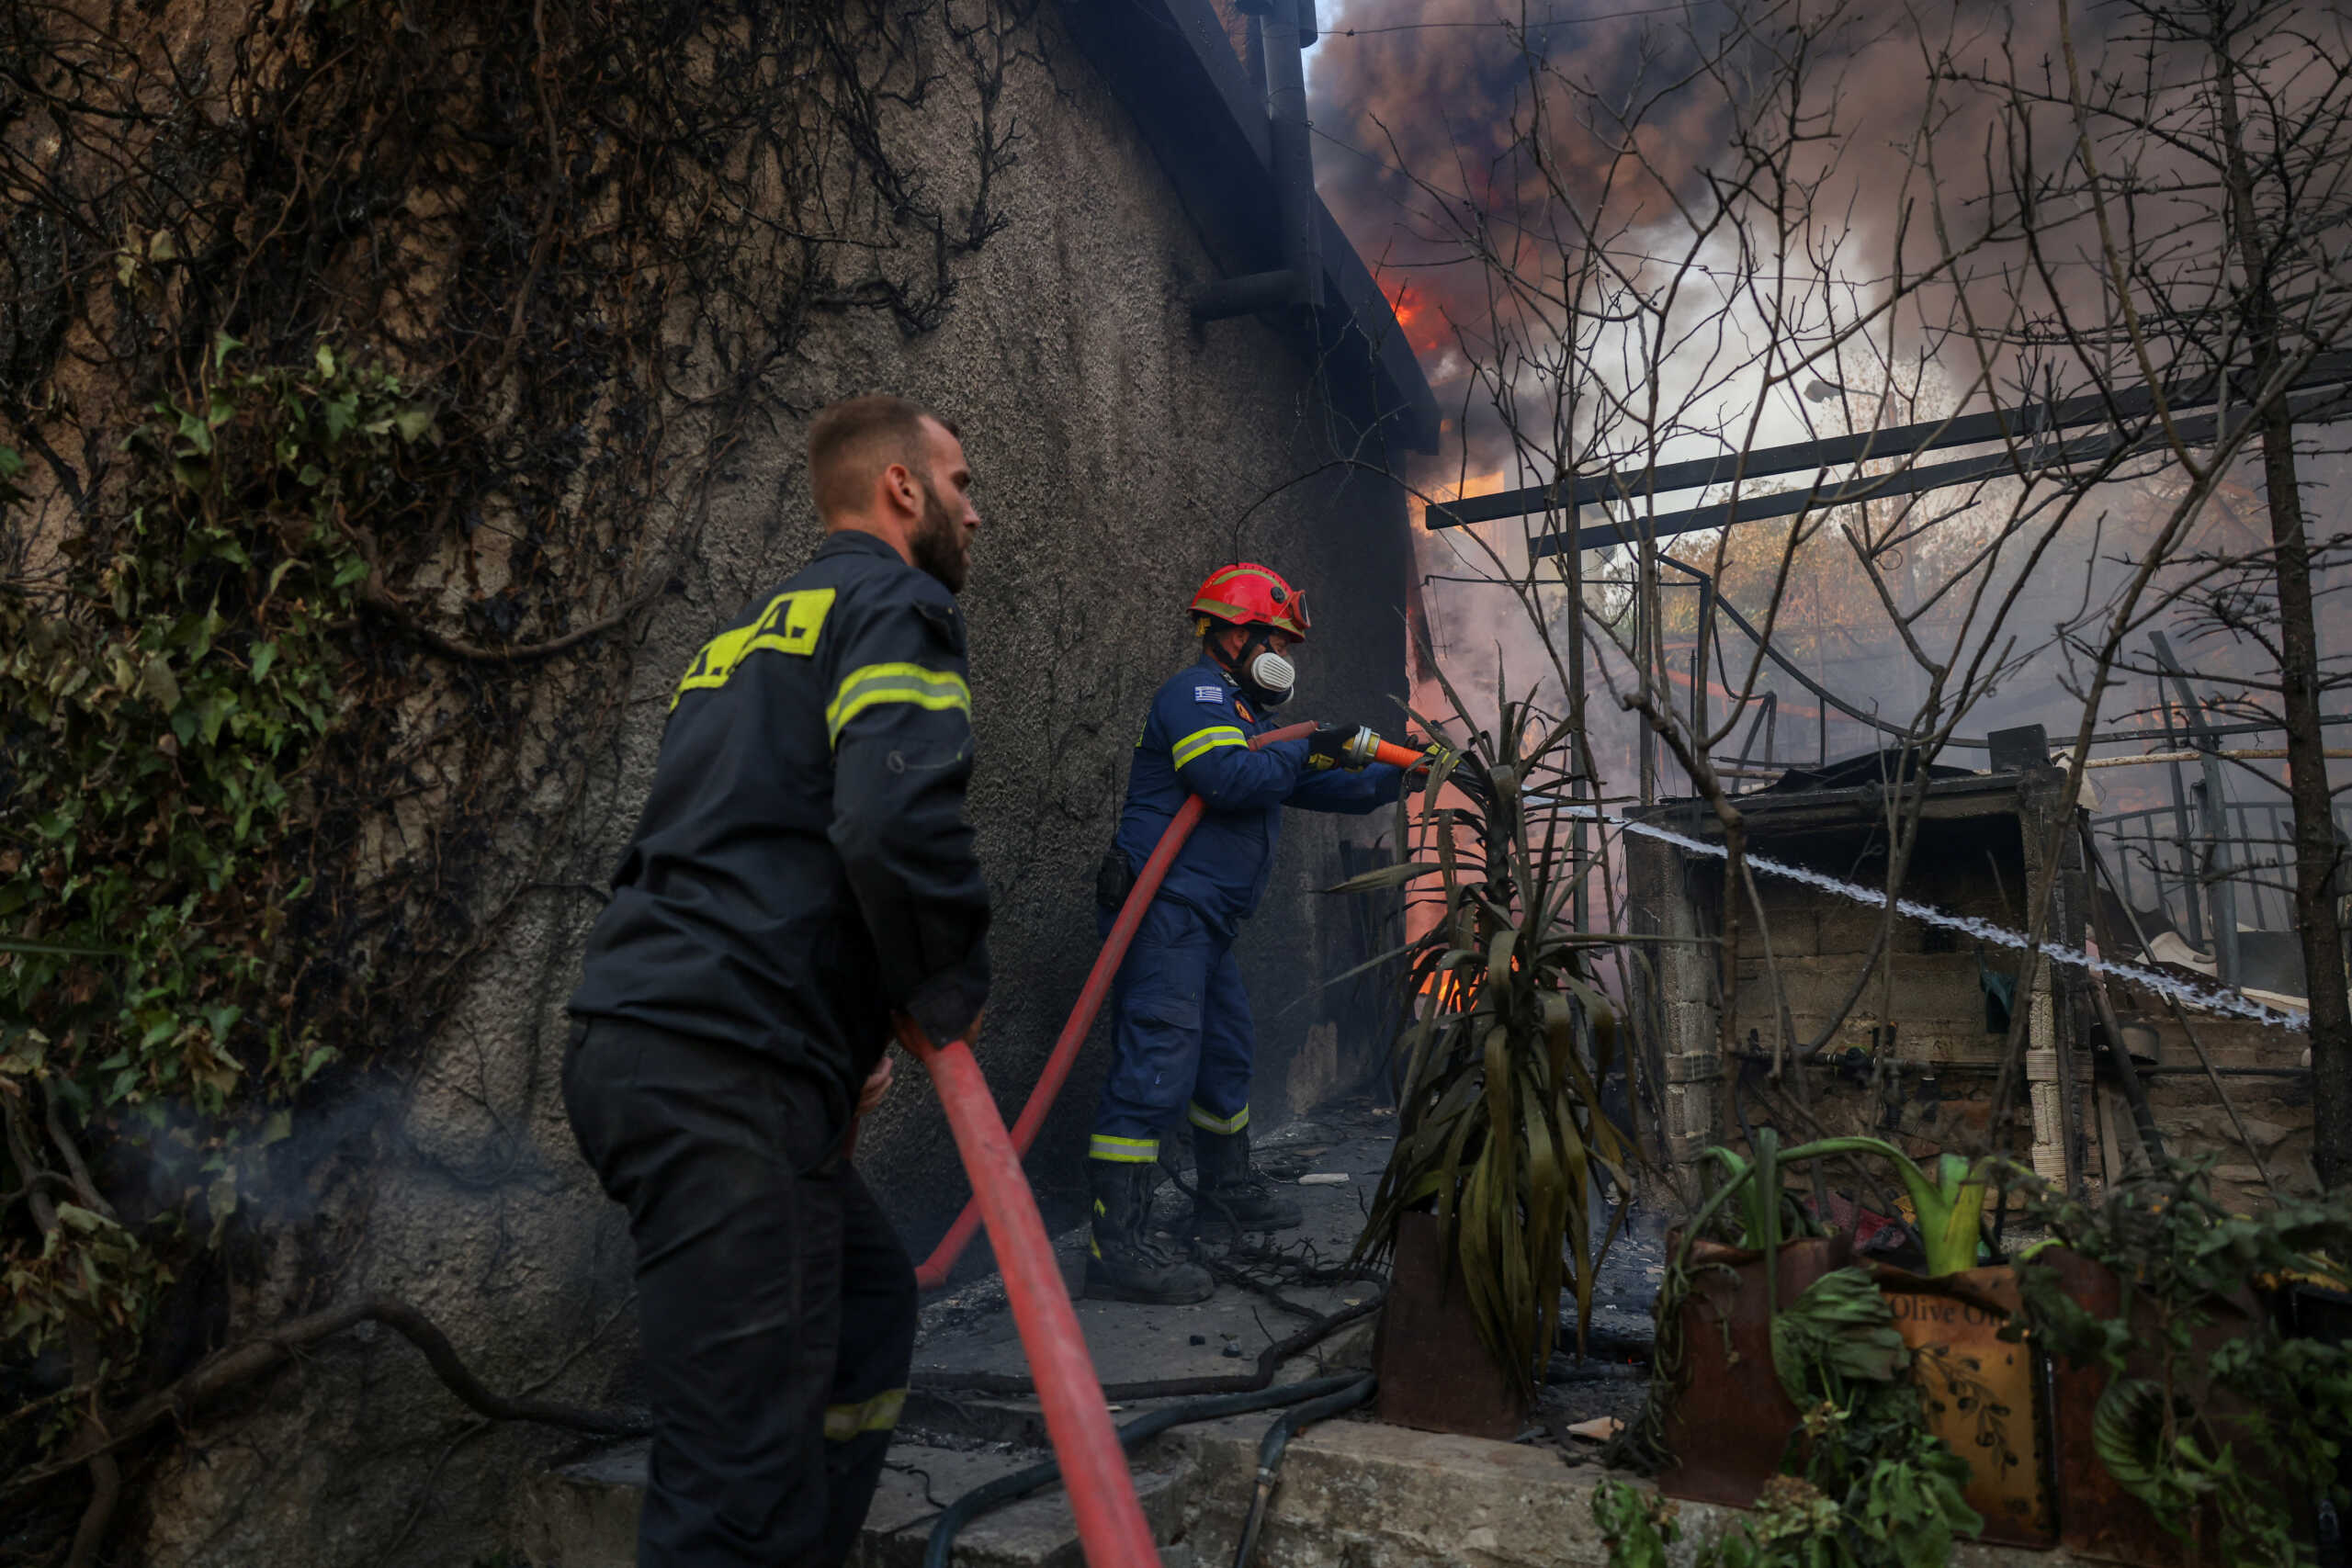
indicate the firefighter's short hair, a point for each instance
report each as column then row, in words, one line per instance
column 850, row 442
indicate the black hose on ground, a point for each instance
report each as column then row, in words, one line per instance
column 1270, row 1361
column 1276, row 1442
column 1010, row 1488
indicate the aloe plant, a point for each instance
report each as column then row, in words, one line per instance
column 1767, row 1214
column 1501, row 1125
column 1949, row 1206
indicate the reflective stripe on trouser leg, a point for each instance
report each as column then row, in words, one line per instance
column 879, row 1414
column 1125, row 1151
column 1212, row 1124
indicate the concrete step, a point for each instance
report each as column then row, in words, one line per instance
column 1353, row 1493
column 584, row 1515
column 1356, row 1493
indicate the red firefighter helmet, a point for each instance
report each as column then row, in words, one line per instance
column 1248, row 594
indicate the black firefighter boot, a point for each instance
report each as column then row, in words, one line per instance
column 1233, row 1197
column 1124, row 1264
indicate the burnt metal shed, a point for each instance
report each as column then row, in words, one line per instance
column 1909, row 1050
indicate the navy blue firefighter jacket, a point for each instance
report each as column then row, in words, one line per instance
column 803, row 866
column 1196, row 741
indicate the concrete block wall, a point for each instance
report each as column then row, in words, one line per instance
column 1933, row 1088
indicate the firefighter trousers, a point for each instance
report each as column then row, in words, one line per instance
column 1182, row 1044
column 775, row 1306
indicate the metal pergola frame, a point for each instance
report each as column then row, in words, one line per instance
column 2323, row 393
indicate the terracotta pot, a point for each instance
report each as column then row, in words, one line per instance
column 2095, row 1517
column 1729, row 1420
column 1435, row 1374
column 1984, row 1396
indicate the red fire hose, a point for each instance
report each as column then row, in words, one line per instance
column 1112, row 1529
column 1049, row 1087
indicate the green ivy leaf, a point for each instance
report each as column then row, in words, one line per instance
column 196, row 433
column 158, row 684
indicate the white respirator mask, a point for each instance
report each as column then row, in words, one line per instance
column 1274, row 676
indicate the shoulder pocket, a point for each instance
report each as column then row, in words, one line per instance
column 947, row 623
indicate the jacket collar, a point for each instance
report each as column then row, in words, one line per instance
column 855, row 541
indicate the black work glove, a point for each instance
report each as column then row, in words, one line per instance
column 1327, row 747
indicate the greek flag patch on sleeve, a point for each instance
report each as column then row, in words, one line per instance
column 1208, row 694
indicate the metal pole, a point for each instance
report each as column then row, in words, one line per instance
column 1285, row 35
column 1698, row 667
column 2212, row 812
column 2195, row 911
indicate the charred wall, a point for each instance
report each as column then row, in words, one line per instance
column 1120, row 452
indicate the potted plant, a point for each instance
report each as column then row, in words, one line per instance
column 2192, row 1428
column 1863, row 1482
column 1718, row 1419
column 1487, row 1205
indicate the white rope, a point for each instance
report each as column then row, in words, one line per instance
column 1969, row 925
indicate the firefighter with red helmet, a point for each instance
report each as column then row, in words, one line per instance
column 1183, row 1043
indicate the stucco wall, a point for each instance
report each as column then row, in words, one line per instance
column 1120, row 455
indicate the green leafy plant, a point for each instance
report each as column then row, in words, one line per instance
column 169, row 696
column 1501, row 1126
column 2185, row 1425
column 1949, row 1203
column 1863, row 1482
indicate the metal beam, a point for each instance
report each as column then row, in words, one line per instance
column 1965, row 430
column 2196, row 430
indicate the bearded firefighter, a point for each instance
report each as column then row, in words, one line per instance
column 1183, row 1046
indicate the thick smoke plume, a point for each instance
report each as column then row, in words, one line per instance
column 1526, row 181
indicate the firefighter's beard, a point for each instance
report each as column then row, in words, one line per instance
column 938, row 544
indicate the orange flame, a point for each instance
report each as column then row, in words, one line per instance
column 1423, row 329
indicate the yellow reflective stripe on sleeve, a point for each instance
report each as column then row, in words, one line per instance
column 788, row 624
column 1201, row 1119
column 1203, row 741
column 1126, row 1151
column 879, row 1414
column 875, row 685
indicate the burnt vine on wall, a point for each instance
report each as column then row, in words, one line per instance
column 365, row 365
